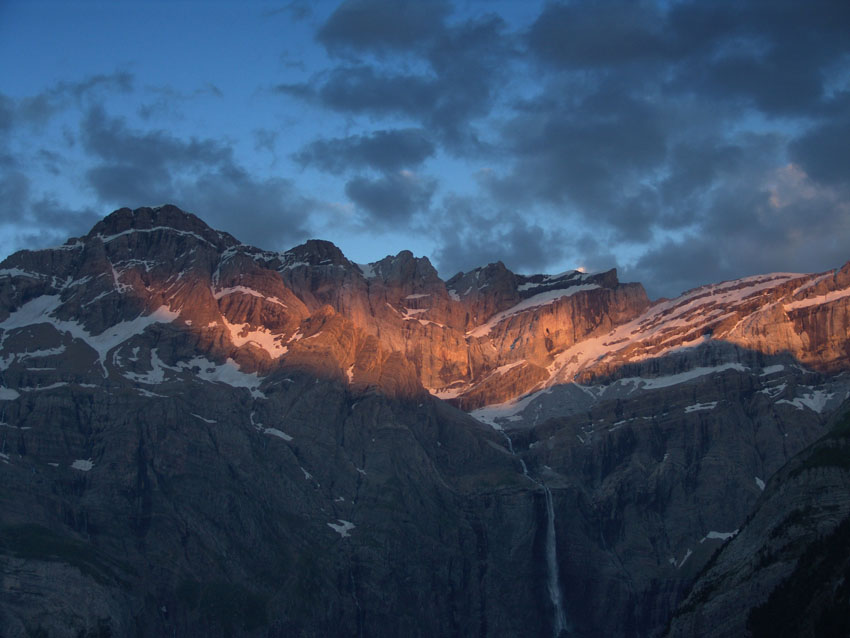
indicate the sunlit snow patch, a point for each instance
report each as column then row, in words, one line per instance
column 84, row 465
column 241, row 334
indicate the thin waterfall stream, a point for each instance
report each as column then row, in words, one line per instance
column 553, row 581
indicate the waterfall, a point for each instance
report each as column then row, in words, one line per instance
column 553, row 581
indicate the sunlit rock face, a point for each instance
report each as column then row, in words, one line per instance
column 187, row 420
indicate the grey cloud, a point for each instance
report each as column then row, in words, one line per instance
column 7, row 110
column 470, row 233
column 393, row 198
column 362, row 89
column 696, row 166
column 265, row 140
column 168, row 100
column 824, row 150
column 755, row 224
column 777, row 55
column 110, row 140
column 37, row 109
column 383, row 150
column 592, row 156
column 457, row 67
column 297, row 10
column 299, row 90
column 380, row 25
column 14, row 195
column 36, row 223
column 581, row 35
column 138, row 168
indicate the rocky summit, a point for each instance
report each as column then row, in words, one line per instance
column 198, row 437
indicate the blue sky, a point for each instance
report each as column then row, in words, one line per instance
column 681, row 142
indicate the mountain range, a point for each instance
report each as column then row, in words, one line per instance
column 200, row 437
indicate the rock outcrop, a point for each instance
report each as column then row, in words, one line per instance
column 785, row 572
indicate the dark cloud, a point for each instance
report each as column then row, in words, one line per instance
column 393, row 198
column 265, row 140
column 37, row 109
column 759, row 221
column 110, row 140
column 36, row 222
column 770, row 55
column 381, row 25
column 384, row 150
column 824, row 150
column 300, row 90
column 451, row 80
column 583, row 35
column 14, row 195
column 7, row 112
column 297, row 10
column 471, row 234
column 591, row 156
column 138, row 168
column 168, row 101
column 362, row 89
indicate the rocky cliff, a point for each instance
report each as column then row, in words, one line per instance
column 198, row 435
column 785, row 572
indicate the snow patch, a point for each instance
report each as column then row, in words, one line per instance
column 39, row 311
column 84, row 465
column 815, row 401
column 342, row 528
column 228, row 373
column 835, row 295
column 241, row 334
column 774, row 391
column 156, row 374
column 108, row 238
column 701, row 406
column 681, row 377
column 719, row 536
column 760, row 483
column 368, row 270
column 278, row 434
column 8, row 394
column 218, row 294
column 37, row 354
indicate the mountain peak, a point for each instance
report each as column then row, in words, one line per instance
column 164, row 217
column 405, row 267
column 318, row 252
